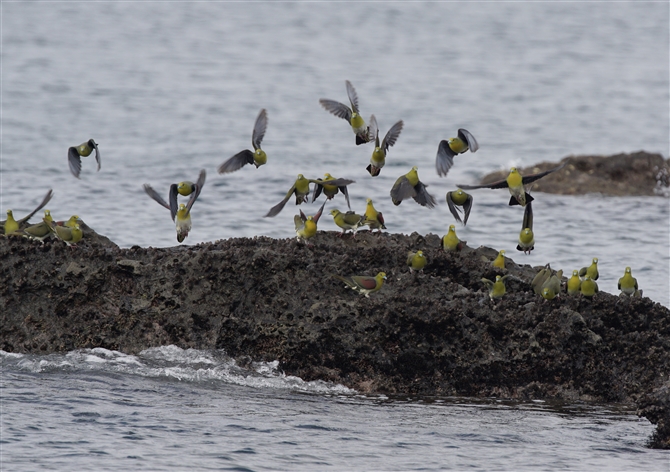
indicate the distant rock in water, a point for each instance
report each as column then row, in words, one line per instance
column 263, row 299
column 637, row 174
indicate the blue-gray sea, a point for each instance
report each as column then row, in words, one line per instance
column 169, row 88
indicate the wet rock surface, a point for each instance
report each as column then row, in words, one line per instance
column 636, row 174
column 430, row 333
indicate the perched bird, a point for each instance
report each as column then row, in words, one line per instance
column 364, row 285
column 69, row 235
column 450, row 241
column 496, row 289
column 552, row 286
column 301, row 191
column 256, row 157
column 540, row 278
column 8, row 224
column 416, row 261
column 589, row 287
column 11, row 225
column 459, row 198
column 516, row 185
column 347, row 221
column 628, row 283
column 378, row 158
column 526, row 236
column 75, row 153
column 591, row 271
column 41, row 230
column 409, row 185
column 499, row 261
column 73, row 220
column 305, row 226
column 352, row 115
column 574, row 283
column 185, row 188
column 329, row 190
column 373, row 218
column 448, row 148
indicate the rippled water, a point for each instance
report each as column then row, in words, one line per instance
column 167, row 408
column 169, row 88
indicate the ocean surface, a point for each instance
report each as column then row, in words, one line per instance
column 169, row 88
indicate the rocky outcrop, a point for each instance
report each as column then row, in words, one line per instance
column 432, row 333
column 637, row 174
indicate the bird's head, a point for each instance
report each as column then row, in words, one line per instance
column 452, row 228
column 595, row 260
column 502, row 252
column 575, row 273
column 513, row 170
column 92, row 143
column 328, row 176
column 628, row 270
column 420, row 254
column 381, row 275
column 182, row 206
column 369, row 201
column 335, row 212
column 47, row 213
column 9, row 214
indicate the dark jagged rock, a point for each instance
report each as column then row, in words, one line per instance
column 431, row 333
column 636, row 174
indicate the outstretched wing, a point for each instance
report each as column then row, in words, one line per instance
column 259, row 129
column 401, row 190
column 374, row 130
column 45, row 200
column 275, row 210
column 467, row 206
column 97, row 154
column 317, row 215
column 353, row 96
column 465, row 135
column 74, row 161
column 422, row 196
column 172, row 197
column 237, row 162
column 498, row 184
column 533, row 177
column 444, row 159
column 453, row 208
column 336, row 108
column 391, row 136
column 200, row 183
column 157, row 198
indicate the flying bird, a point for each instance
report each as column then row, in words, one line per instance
column 526, row 236
column 378, row 158
column 459, row 198
column 300, row 189
column 328, row 189
column 75, row 153
column 448, row 148
column 516, row 183
column 352, row 115
column 409, row 185
column 256, row 157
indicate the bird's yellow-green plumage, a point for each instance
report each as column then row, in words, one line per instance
column 496, row 289
column 451, row 147
column 373, row 218
column 526, row 240
column 306, row 226
column 457, row 145
column 416, row 260
column 69, row 235
column 588, row 287
column 75, row 153
column 347, row 221
column 378, row 159
column 331, row 186
column 72, row 221
column 362, row 284
column 574, row 283
column 186, row 188
column 540, row 278
column 409, row 185
column 182, row 222
column 352, row 115
column 11, row 225
column 591, row 271
column 256, row 157
column 47, row 216
column 499, row 261
column 628, row 283
column 458, row 198
column 552, row 286
column 450, row 241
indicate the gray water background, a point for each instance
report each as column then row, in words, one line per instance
column 173, row 409
column 169, row 88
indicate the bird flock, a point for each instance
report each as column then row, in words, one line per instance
column 547, row 283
